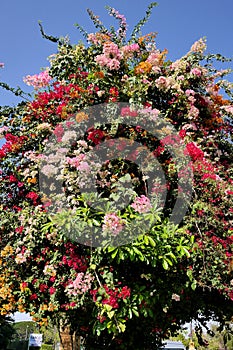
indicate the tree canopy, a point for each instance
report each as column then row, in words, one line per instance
column 124, row 262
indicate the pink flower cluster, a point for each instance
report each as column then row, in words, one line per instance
column 38, row 81
column 92, row 39
column 123, row 24
column 98, row 38
column 111, row 56
column 196, row 71
column 163, row 82
column 154, row 59
column 2, row 130
column 126, row 111
column 228, row 109
column 129, row 50
column 193, row 112
column 59, row 132
column 112, row 223
column 80, row 285
column 199, row 46
column 76, row 161
column 141, row 204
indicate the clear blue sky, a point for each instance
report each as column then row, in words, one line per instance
column 178, row 22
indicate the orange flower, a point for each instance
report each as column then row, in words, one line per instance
column 74, row 94
column 44, row 307
column 162, row 56
column 102, row 38
column 218, row 99
column 15, row 147
column 150, row 37
column 142, row 67
column 6, row 251
column 35, row 319
column 32, row 180
column 26, row 119
column 21, row 308
column 51, row 307
column 99, row 75
column 81, row 116
column 43, row 322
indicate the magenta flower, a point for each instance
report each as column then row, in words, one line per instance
column 194, row 151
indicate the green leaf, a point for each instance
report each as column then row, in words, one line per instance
column 151, row 241
column 143, row 21
column 146, row 240
column 122, row 326
column 135, row 311
column 111, row 314
column 194, row 285
column 109, row 324
column 130, row 313
column 114, row 253
column 165, row 264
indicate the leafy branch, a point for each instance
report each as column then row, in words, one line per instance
column 143, row 21
column 54, row 39
column 16, row 91
column 97, row 23
column 81, row 30
column 48, row 37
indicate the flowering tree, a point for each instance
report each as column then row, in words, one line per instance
column 122, row 277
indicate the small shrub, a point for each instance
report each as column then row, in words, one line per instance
column 47, row 347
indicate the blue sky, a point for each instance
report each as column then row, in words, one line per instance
column 179, row 23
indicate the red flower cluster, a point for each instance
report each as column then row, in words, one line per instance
column 55, row 100
column 33, row 196
column 73, row 259
column 195, row 152
column 13, row 144
column 95, row 135
column 126, row 111
column 111, row 296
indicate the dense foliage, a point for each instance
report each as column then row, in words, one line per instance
column 6, row 331
column 120, row 296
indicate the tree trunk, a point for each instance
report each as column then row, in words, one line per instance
column 68, row 341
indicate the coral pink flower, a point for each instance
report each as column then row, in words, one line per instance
column 141, row 204
column 38, row 80
column 112, row 223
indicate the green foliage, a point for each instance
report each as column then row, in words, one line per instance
column 16, row 91
column 133, row 293
column 23, row 329
column 6, row 332
column 142, row 22
column 47, row 347
column 18, row 345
